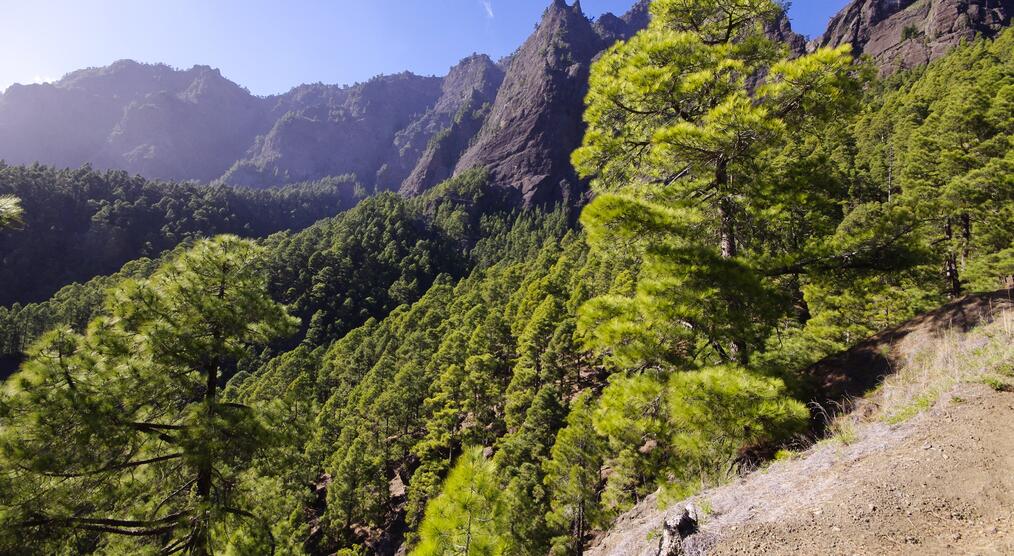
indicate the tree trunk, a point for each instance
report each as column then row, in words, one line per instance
column 205, row 470
column 727, row 233
column 727, row 244
column 206, row 467
column 966, row 239
column 951, row 264
column 803, row 314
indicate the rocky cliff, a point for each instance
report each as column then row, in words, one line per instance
column 535, row 122
column 429, row 149
column 901, row 34
column 520, row 118
column 150, row 119
column 327, row 131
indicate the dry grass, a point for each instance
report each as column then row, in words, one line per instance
column 842, row 421
column 931, row 365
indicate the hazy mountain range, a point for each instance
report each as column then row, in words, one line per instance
column 519, row 117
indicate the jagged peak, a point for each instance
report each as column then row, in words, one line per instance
column 470, row 61
column 561, row 6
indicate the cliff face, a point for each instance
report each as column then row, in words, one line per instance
column 327, row 131
column 192, row 130
column 149, row 119
column 535, row 122
column 524, row 129
column 521, row 118
column 900, row 34
column 429, row 148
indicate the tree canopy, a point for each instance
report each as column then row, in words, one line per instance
column 120, row 434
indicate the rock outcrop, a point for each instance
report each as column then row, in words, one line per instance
column 535, row 122
column 433, row 144
column 901, row 34
column 328, row 131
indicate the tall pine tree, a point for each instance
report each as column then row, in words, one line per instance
column 688, row 122
column 121, row 431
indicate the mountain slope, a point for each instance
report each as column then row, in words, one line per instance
column 889, row 479
column 535, row 122
column 148, row 119
column 330, row 131
column 521, row 118
column 397, row 131
column 900, row 34
column 434, row 142
column 940, row 484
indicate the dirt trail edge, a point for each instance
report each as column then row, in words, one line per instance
column 942, row 483
column 939, row 483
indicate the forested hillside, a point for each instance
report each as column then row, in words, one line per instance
column 451, row 374
column 81, row 223
column 333, row 275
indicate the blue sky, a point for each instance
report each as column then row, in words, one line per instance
column 271, row 46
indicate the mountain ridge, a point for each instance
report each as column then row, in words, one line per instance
column 901, row 34
column 519, row 117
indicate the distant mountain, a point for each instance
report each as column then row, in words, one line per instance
column 901, row 34
column 326, row 130
column 520, row 118
column 148, row 119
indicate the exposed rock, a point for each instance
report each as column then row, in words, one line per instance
column 193, row 131
column 781, row 31
column 676, row 527
column 535, row 122
column 900, row 34
column 433, row 144
column 612, row 28
column 341, row 132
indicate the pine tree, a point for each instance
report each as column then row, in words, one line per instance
column 573, row 478
column 632, row 416
column 528, row 375
column 714, row 414
column 520, row 458
column 680, row 135
column 468, row 516
column 122, row 430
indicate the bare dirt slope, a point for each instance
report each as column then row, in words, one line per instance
column 941, row 482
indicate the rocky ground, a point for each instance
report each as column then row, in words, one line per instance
column 941, row 482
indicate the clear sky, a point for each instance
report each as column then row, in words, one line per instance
column 271, row 46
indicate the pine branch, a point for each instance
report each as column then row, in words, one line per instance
column 126, row 465
column 128, row 527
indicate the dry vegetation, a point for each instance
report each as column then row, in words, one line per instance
column 931, row 365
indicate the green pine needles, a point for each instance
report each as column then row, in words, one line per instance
column 10, row 211
column 122, row 431
column 685, row 145
column 495, row 381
